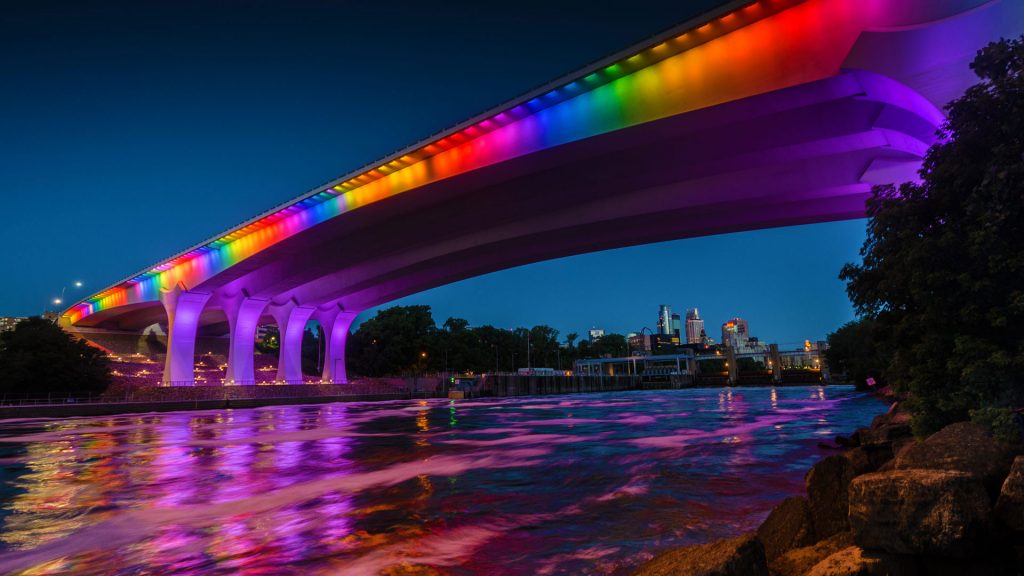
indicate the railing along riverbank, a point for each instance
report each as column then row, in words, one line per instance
column 175, row 398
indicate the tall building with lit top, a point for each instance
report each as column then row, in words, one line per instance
column 694, row 327
column 735, row 333
column 664, row 319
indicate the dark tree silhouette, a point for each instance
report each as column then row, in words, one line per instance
column 37, row 357
column 853, row 351
column 942, row 274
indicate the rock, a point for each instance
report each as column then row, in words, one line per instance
column 798, row 561
column 859, row 460
column 827, row 486
column 879, row 442
column 1010, row 504
column 935, row 566
column 787, row 526
column 848, row 442
column 885, row 429
column 936, row 512
column 743, row 556
column 854, row 561
column 963, row 447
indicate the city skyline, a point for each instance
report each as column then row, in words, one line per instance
column 780, row 317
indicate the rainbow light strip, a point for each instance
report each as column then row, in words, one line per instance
column 743, row 50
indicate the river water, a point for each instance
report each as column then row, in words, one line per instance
column 575, row 484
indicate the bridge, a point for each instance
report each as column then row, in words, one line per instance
column 754, row 115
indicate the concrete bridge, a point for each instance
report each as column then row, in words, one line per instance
column 757, row 114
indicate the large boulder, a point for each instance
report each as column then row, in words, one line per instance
column 799, row 561
column 1010, row 505
column 827, row 486
column 886, row 429
column 743, row 556
column 855, row 561
column 787, row 526
column 963, row 447
column 868, row 459
column 934, row 512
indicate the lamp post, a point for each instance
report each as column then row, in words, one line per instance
column 58, row 301
column 528, row 366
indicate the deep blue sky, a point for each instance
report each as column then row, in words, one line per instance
column 130, row 130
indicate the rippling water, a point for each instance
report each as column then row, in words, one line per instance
column 589, row 484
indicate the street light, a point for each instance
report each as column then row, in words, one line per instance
column 59, row 301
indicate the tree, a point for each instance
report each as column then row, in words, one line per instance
column 313, row 351
column 271, row 342
column 544, row 344
column 608, row 345
column 942, row 274
column 398, row 340
column 40, row 358
column 853, row 351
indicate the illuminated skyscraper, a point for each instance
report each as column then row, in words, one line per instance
column 664, row 319
column 694, row 327
column 735, row 333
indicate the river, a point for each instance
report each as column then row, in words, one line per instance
column 573, row 484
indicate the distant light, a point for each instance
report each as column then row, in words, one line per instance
column 78, row 284
column 57, row 300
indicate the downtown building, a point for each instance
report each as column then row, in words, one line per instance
column 695, row 328
column 735, row 333
column 9, row 322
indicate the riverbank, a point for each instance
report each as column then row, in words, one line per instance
column 178, row 398
column 888, row 504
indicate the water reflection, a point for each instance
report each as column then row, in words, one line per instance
column 550, row 485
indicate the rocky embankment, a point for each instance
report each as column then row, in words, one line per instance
column 887, row 505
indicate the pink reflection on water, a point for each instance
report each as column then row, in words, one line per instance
column 559, row 485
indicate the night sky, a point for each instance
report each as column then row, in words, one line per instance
column 132, row 130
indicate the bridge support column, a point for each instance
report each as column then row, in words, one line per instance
column 291, row 323
column 243, row 317
column 183, row 310
column 734, row 368
column 335, row 324
column 774, row 361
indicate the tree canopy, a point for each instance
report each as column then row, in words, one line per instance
column 853, row 352
column 405, row 340
column 942, row 276
column 38, row 358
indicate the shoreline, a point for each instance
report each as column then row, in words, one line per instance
column 886, row 504
column 113, row 408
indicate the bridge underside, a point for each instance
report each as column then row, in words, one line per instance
column 805, row 154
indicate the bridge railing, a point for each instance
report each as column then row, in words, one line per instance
column 28, row 399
